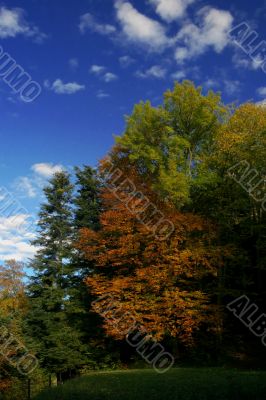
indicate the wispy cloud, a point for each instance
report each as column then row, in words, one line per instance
column 211, row 83
column 25, row 185
column 154, row 72
column 88, row 22
column 30, row 186
column 262, row 91
column 73, row 63
column 126, row 61
column 230, row 86
column 109, row 77
column 241, row 60
column 100, row 70
column 97, row 69
column 178, row 75
column 102, row 94
column 59, row 87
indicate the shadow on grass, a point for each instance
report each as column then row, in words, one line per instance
column 176, row 384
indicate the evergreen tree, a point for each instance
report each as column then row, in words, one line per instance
column 59, row 343
column 87, row 200
column 86, row 215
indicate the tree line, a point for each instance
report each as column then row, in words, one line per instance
column 193, row 164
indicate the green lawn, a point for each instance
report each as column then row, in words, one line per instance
column 176, row 384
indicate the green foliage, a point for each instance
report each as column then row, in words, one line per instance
column 55, row 339
column 183, row 150
column 86, row 201
column 178, row 155
column 168, row 144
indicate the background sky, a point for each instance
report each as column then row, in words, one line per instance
column 94, row 60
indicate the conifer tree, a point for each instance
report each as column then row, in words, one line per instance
column 87, row 200
column 86, row 215
column 59, row 343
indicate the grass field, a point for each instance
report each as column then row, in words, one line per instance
column 176, row 384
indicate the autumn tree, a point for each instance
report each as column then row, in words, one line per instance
column 13, row 308
column 194, row 151
column 163, row 283
column 12, row 289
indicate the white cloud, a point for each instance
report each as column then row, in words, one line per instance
column 211, row 83
column 109, row 77
column 102, row 95
column 59, row 87
column 31, row 186
column 169, row 10
column 13, row 223
column 66, row 88
column 179, row 75
column 87, row 21
column 231, row 86
column 25, row 185
column 140, row 29
column 100, row 71
column 73, row 63
column 242, row 60
column 15, row 233
column 181, row 54
column 154, row 72
column 13, row 23
column 16, row 249
column 126, row 61
column 262, row 91
column 17, row 225
column 211, row 32
column 97, row 69
column 46, row 170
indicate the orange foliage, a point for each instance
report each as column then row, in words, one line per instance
column 159, row 282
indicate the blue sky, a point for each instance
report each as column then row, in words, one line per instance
column 94, row 60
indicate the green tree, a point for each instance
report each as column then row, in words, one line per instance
column 58, row 342
column 167, row 144
column 234, row 201
column 87, row 204
column 86, row 215
column 184, row 150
